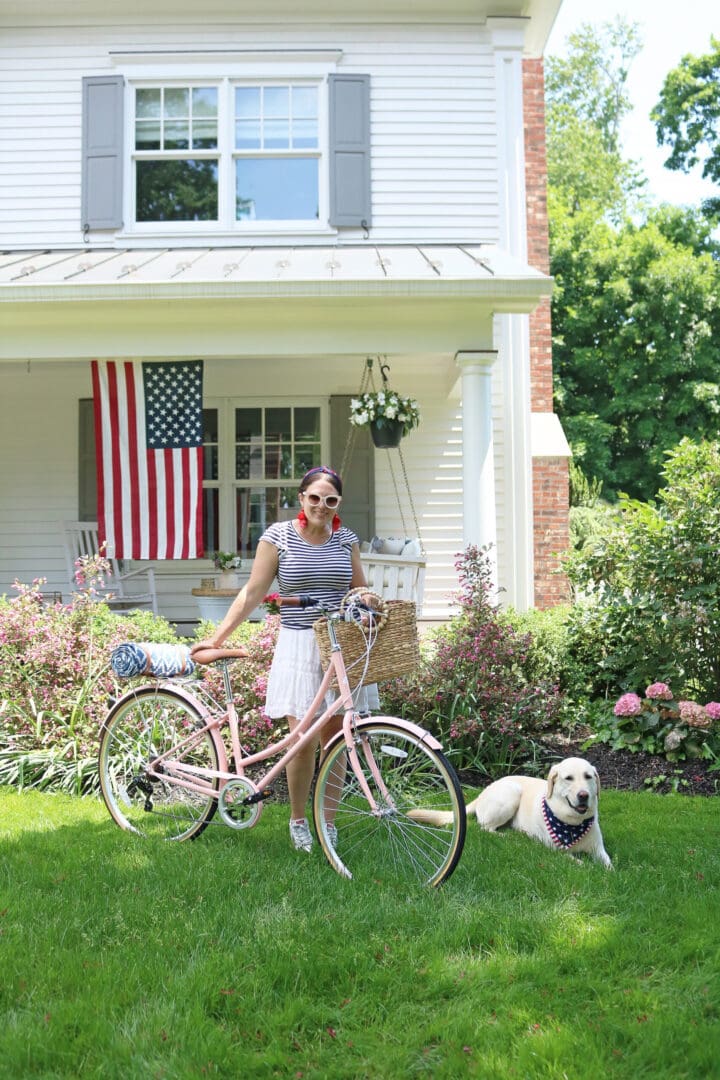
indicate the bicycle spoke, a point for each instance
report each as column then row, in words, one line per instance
column 138, row 730
column 385, row 842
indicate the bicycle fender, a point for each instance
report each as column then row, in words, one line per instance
column 407, row 725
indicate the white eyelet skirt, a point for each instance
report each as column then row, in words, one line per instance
column 295, row 676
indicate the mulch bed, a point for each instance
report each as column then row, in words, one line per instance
column 628, row 771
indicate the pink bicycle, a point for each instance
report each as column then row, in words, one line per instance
column 165, row 771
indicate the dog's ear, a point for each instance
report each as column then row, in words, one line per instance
column 552, row 777
column 597, row 779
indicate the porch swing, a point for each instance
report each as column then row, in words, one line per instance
column 395, row 575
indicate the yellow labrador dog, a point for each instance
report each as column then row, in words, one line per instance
column 561, row 812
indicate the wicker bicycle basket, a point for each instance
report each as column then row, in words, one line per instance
column 394, row 652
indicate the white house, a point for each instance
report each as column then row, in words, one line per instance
column 284, row 190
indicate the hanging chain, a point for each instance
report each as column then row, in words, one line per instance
column 368, row 382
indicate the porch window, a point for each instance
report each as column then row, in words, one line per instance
column 255, row 457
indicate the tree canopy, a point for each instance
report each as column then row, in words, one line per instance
column 636, row 307
column 687, row 116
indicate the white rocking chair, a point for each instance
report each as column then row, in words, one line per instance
column 81, row 540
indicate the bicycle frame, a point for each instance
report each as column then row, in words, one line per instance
column 201, row 780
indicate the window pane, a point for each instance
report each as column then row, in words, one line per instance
column 177, row 190
column 211, row 519
column 304, row 102
column 307, row 456
column 247, row 135
column 147, row 135
column 307, row 425
column 248, row 422
column 276, row 101
column 210, row 425
column 276, row 189
column 256, row 509
column 204, row 101
column 304, row 134
column 176, row 102
column 204, row 135
column 276, row 135
column 247, row 102
column 210, row 444
column 277, row 425
column 147, row 103
column 176, row 135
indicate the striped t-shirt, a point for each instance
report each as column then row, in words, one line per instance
column 323, row 571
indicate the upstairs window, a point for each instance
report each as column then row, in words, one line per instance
column 176, row 153
column 277, row 153
column 225, row 154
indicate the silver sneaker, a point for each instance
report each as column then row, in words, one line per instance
column 301, row 836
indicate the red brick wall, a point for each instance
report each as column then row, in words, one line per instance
column 550, row 475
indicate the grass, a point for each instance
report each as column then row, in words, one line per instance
column 234, row 957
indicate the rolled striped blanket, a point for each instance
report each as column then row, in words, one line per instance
column 163, row 661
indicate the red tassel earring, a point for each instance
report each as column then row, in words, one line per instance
column 302, row 519
column 336, row 523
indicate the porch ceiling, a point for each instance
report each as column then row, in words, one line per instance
column 478, row 272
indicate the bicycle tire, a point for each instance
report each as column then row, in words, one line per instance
column 137, row 729
column 388, row 845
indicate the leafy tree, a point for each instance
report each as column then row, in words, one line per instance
column 637, row 314
column 635, row 307
column 586, row 102
column 687, row 116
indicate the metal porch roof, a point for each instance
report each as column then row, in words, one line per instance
column 449, row 270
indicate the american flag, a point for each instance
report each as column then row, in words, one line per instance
column 148, row 438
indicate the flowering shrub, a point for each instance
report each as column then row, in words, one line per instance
column 383, row 406
column 658, row 724
column 471, row 689
column 55, row 683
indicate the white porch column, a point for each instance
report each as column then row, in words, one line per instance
column 479, row 517
column 513, row 334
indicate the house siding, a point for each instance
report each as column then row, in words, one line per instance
column 432, row 121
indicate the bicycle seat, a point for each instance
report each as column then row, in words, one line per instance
column 209, row 656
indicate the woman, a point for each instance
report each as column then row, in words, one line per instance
column 313, row 554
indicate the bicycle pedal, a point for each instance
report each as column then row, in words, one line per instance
column 258, row 796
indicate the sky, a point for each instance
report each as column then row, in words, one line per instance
column 669, row 31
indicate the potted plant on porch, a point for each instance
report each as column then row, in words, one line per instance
column 227, row 562
column 389, row 415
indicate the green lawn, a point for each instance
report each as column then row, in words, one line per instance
column 235, row 957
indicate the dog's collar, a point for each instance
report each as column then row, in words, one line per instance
column 562, row 834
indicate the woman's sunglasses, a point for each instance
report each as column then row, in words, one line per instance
column 331, row 501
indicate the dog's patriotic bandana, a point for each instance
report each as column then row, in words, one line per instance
column 564, row 835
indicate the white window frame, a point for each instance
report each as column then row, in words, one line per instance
column 225, row 71
column 227, row 483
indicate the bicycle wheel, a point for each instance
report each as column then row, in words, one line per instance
column 137, row 730
column 387, row 844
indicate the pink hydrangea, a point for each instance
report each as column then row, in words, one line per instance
column 713, row 710
column 693, row 714
column 659, row 691
column 628, row 705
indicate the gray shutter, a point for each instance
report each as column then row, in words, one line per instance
column 102, row 152
column 358, row 506
column 349, row 114
column 87, row 480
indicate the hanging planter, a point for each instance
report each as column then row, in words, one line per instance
column 386, row 434
column 388, row 415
